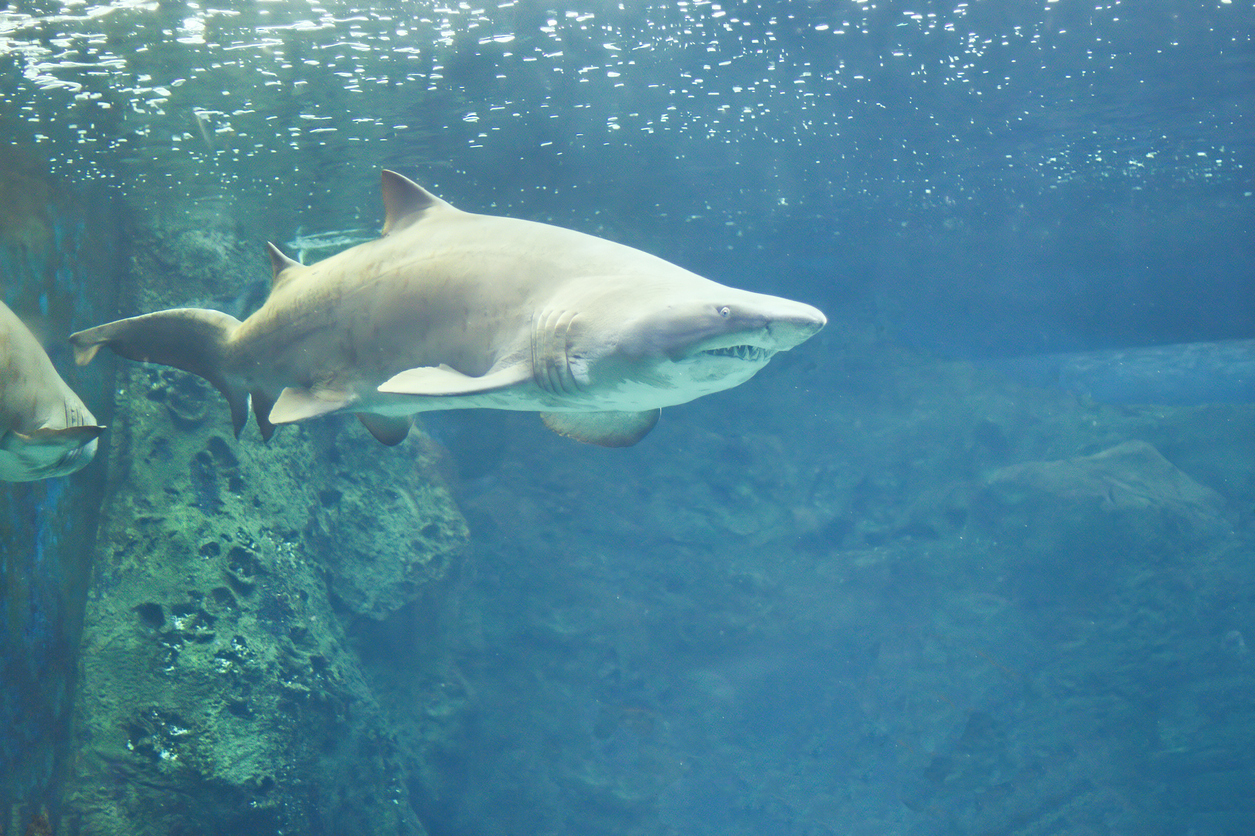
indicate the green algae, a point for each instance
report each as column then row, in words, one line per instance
column 220, row 687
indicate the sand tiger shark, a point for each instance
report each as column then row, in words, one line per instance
column 449, row 309
column 45, row 430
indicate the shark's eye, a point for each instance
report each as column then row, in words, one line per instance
column 725, row 312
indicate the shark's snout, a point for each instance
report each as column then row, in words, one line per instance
column 794, row 326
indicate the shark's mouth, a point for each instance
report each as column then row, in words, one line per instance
column 750, row 353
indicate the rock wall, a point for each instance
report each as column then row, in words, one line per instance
column 226, row 684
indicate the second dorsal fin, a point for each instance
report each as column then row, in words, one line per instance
column 280, row 262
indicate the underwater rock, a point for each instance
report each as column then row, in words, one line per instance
column 382, row 543
column 1128, row 497
column 221, row 689
column 216, row 669
column 1071, row 532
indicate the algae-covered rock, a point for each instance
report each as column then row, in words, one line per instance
column 221, row 691
column 382, row 531
column 1128, row 498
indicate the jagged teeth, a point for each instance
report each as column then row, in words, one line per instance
column 742, row 352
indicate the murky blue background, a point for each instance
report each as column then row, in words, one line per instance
column 969, row 180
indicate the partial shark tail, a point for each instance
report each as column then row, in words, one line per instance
column 192, row 339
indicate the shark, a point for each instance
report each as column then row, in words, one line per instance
column 45, row 430
column 449, row 309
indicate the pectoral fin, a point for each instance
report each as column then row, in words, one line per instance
column 298, row 403
column 607, row 429
column 443, row 381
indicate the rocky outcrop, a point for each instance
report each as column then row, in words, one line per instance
column 221, row 689
column 1128, row 498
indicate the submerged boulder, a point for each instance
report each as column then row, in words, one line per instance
column 1128, row 497
column 225, row 685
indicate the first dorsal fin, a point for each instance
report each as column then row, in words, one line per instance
column 280, row 262
column 402, row 198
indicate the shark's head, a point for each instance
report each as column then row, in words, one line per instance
column 668, row 349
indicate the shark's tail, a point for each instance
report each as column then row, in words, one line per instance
column 192, row 339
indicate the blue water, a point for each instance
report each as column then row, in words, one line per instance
column 827, row 601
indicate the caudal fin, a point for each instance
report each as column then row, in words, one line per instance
column 191, row 339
